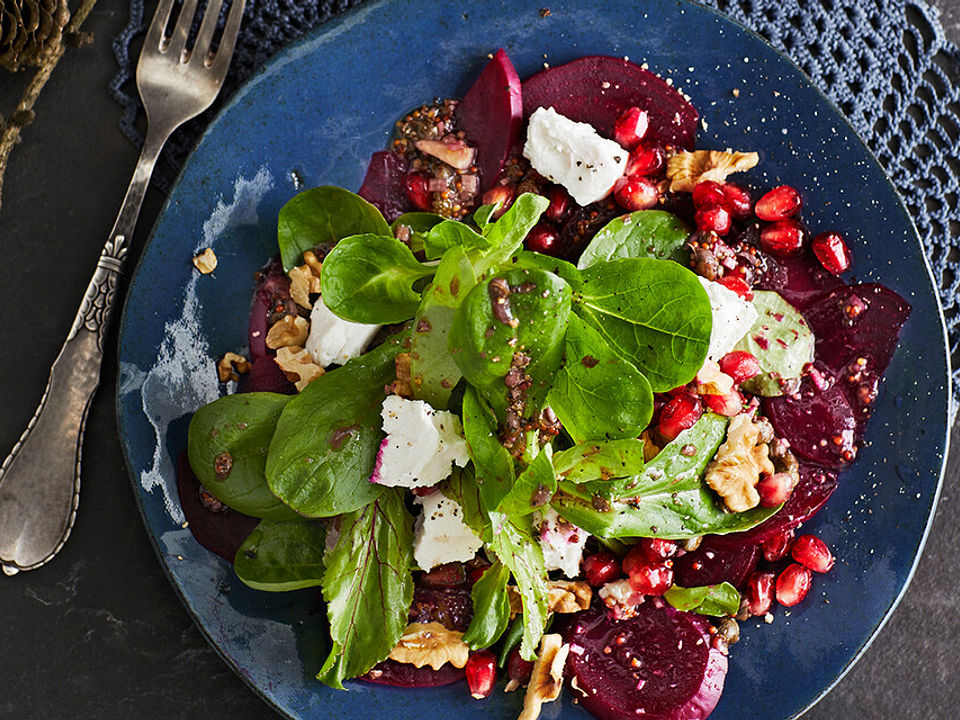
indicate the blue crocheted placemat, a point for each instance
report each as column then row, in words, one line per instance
column 885, row 63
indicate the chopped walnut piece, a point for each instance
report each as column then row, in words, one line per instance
column 298, row 365
column 711, row 381
column 206, row 262
column 303, row 282
column 740, row 462
column 431, row 644
column 563, row 596
column 403, row 385
column 311, row 260
column 288, row 331
column 232, row 366
column 686, row 169
column 547, row 676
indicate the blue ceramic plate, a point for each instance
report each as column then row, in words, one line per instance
column 315, row 114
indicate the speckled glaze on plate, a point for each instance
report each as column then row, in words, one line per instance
column 315, row 113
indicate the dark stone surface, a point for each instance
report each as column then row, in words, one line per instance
column 99, row 633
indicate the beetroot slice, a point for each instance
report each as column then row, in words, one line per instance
column 658, row 665
column 799, row 280
column 597, row 90
column 490, row 115
column 272, row 291
column 857, row 321
column 221, row 532
column 714, row 562
column 821, row 426
column 391, row 672
column 384, row 185
column 266, row 376
column 814, row 489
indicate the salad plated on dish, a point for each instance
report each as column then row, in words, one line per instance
column 548, row 399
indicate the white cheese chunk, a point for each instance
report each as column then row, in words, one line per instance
column 732, row 318
column 562, row 543
column 441, row 535
column 335, row 340
column 421, row 446
column 572, row 154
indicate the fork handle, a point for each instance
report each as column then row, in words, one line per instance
column 40, row 478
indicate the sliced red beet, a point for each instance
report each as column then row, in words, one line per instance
column 821, row 426
column 490, row 115
column 857, row 321
column 714, row 562
column 391, row 672
column 597, row 90
column 271, row 292
column 811, row 493
column 222, row 531
column 658, row 665
column 800, row 280
column 266, row 376
column 384, row 185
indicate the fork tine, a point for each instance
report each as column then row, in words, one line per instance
column 159, row 23
column 230, row 31
column 211, row 14
column 178, row 39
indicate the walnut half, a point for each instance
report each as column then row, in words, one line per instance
column 686, row 169
column 288, row 331
column 547, row 676
column 232, row 366
column 563, row 596
column 431, row 644
column 298, row 365
column 740, row 462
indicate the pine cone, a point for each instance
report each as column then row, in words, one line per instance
column 30, row 30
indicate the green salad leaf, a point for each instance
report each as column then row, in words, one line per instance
column 516, row 311
column 644, row 233
column 227, row 446
column 493, row 464
column 714, row 600
column 596, row 393
column 781, row 341
column 282, row 555
column 327, row 438
column 654, row 313
column 600, row 460
column 418, row 223
column 505, row 235
column 491, row 607
column 368, row 587
column 452, row 234
column 463, row 488
column 533, row 488
column 369, row 279
column 322, row 216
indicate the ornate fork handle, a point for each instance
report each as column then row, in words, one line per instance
column 40, row 478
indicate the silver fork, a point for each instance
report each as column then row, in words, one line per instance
column 40, row 478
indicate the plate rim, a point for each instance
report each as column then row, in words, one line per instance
column 281, row 56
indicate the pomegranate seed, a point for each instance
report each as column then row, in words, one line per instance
column 793, row 584
column 784, row 237
column 601, row 568
column 729, row 404
column 517, row 668
column 759, row 593
column 651, row 578
column 633, row 558
column 630, row 127
column 738, row 285
column 778, row 204
column 708, row 192
column 636, row 193
column 502, row 194
column 559, row 203
column 778, row 547
column 657, row 549
column 832, row 252
column 737, row 201
column 812, row 552
column 645, row 160
column 678, row 415
column 444, row 576
column 418, row 192
column 481, row 669
column 542, row 238
column 739, row 364
column 713, row 218
column 775, row 489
